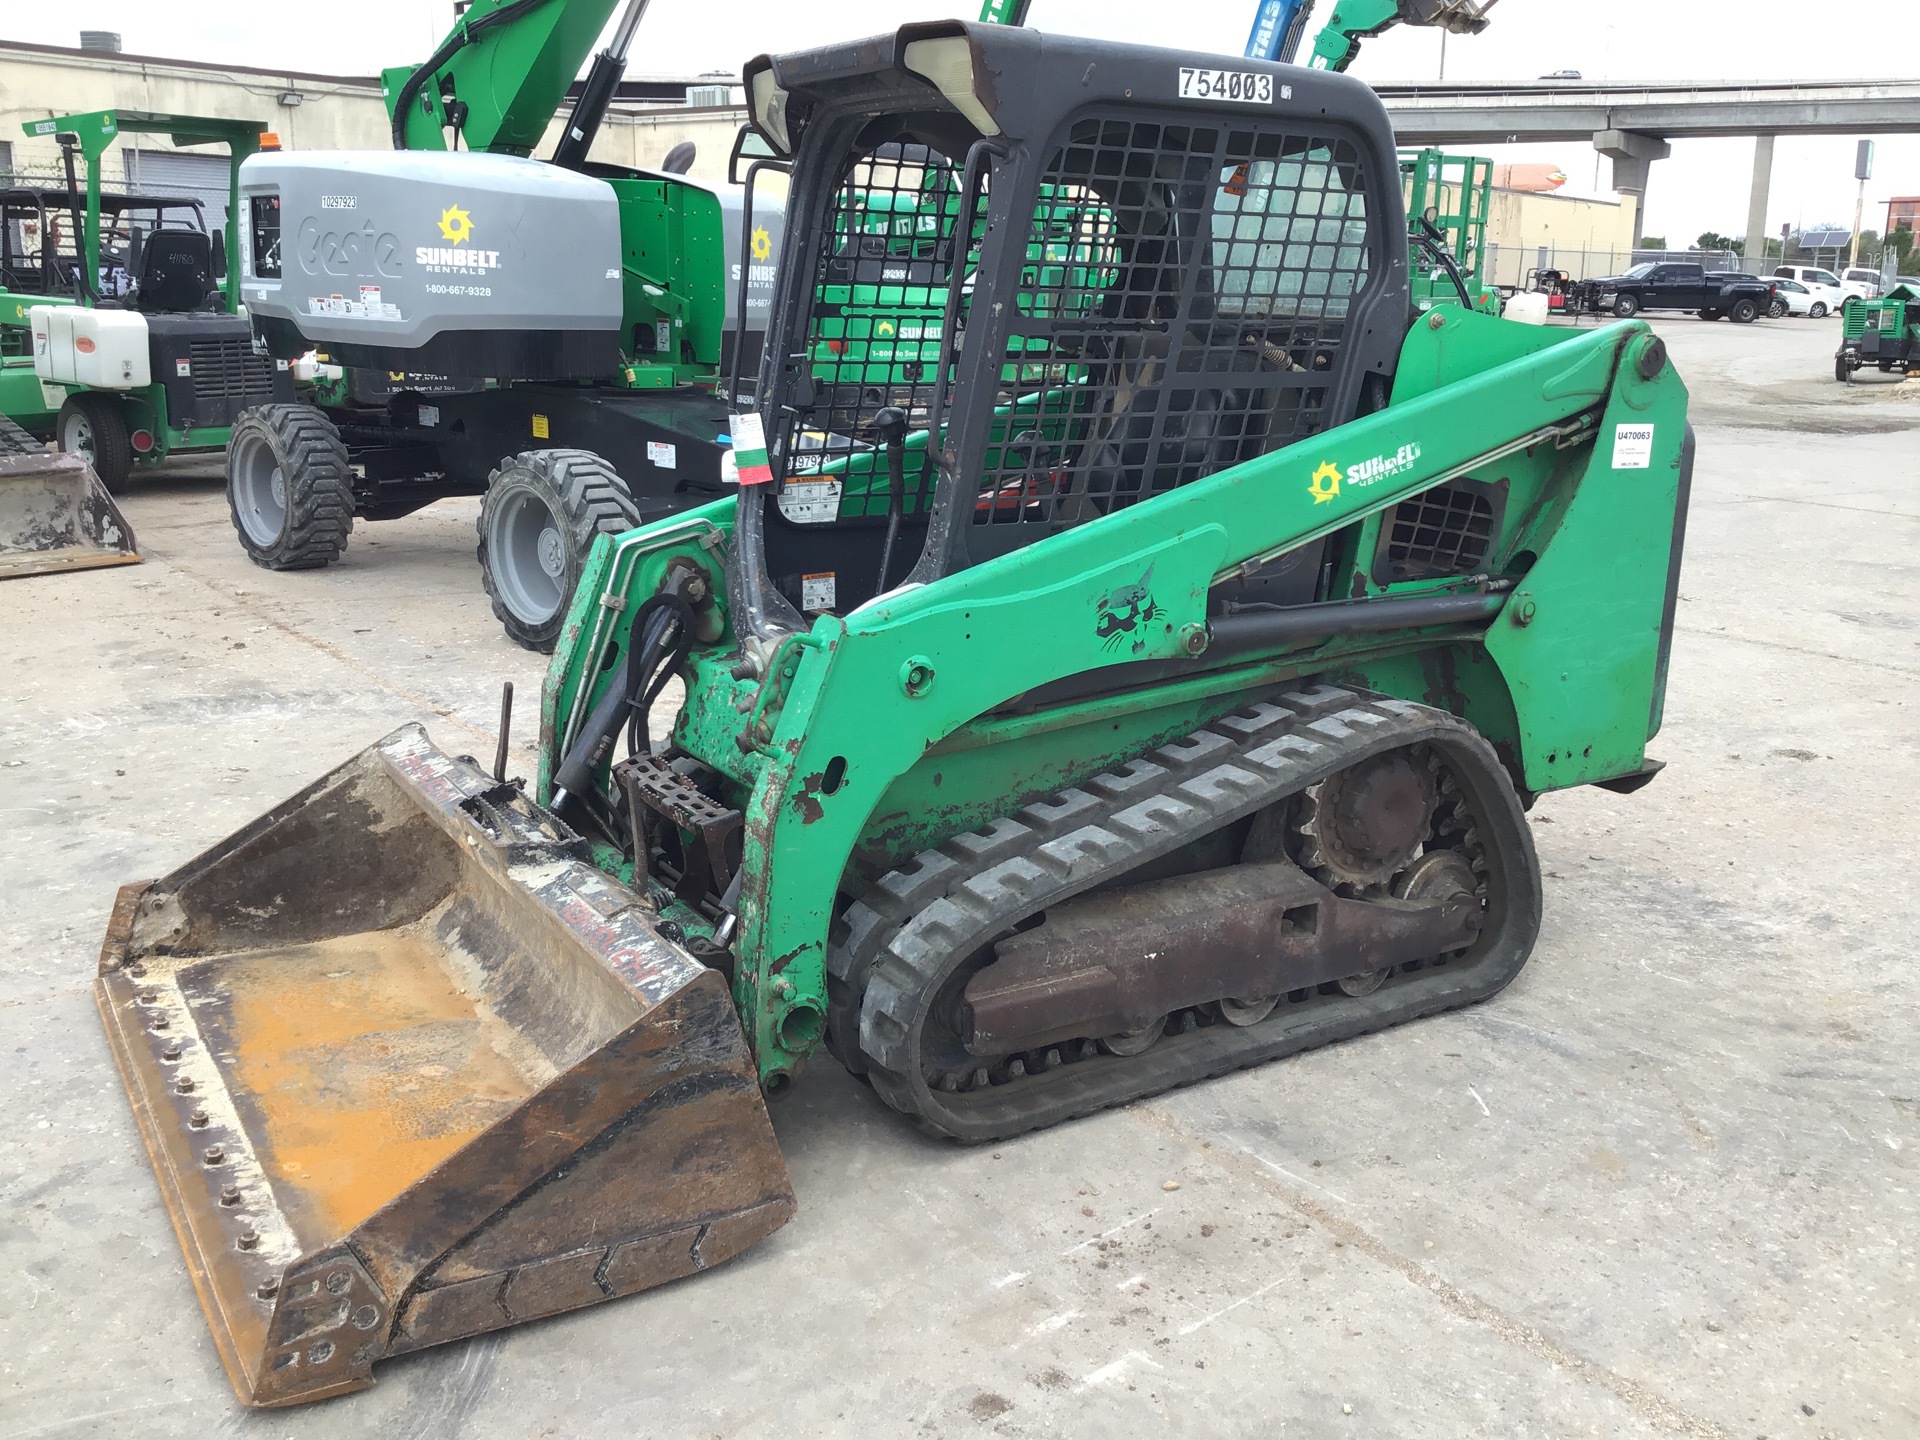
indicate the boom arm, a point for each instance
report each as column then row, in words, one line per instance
column 1277, row 27
column 499, row 76
column 1335, row 47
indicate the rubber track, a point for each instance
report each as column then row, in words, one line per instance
column 594, row 501
column 319, row 482
column 898, row 943
column 15, row 441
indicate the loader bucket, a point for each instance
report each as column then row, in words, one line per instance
column 409, row 1068
column 56, row 515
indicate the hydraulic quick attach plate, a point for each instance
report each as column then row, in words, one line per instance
column 461, row 1082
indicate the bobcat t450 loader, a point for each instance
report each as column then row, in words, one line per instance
column 1155, row 690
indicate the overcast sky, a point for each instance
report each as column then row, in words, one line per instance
column 1703, row 186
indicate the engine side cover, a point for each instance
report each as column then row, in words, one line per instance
column 391, row 250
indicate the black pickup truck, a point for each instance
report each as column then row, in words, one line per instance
column 1678, row 285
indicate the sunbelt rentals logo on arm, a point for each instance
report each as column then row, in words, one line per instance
column 1328, row 478
column 454, row 258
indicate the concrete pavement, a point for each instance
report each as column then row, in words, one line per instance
column 1663, row 1185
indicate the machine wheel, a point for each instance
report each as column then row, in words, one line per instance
column 1744, row 312
column 1626, row 306
column 289, row 487
column 92, row 427
column 543, row 511
column 1842, row 371
column 1709, row 314
column 1777, row 309
column 1818, row 310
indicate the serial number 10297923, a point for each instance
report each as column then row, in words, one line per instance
column 1246, row 85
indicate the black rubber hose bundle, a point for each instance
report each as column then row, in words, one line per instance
column 658, row 639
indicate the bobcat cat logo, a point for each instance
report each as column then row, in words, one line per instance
column 1123, row 611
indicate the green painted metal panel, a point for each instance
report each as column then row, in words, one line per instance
column 874, row 730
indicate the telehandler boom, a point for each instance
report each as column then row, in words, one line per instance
column 1151, row 685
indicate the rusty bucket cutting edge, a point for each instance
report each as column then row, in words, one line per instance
column 55, row 515
column 409, row 1068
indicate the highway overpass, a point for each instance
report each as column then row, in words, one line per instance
column 1632, row 124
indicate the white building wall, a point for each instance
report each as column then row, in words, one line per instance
column 335, row 112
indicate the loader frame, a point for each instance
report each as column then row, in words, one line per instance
column 860, row 738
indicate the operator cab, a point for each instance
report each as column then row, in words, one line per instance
column 1093, row 295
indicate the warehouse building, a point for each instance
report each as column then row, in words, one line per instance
column 650, row 117
column 307, row 111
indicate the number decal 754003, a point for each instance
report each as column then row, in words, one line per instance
column 1247, row 86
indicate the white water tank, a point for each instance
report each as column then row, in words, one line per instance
column 1529, row 307
column 102, row 349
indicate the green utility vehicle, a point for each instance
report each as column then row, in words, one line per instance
column 1883, row 332
column 125, row 344
column 1448, row 197
column 1156, row 690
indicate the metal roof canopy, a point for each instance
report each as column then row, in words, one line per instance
column 97, row 129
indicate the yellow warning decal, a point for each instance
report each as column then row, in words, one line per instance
column 541, row 430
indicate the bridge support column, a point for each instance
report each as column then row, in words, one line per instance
column 1632, row 155
column 1756, row 242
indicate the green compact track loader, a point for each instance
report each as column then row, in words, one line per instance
column 1154, row 686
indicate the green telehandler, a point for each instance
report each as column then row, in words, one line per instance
column 1156, row 688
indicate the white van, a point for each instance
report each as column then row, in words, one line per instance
column 1823, row 285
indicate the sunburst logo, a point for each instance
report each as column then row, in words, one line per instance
column 456, row 225
column 762, row 243
column 1325, row 483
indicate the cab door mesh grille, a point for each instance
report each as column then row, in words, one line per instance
column 1182, row 308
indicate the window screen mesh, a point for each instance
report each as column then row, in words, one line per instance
column 886, row 262
column 1181, row 309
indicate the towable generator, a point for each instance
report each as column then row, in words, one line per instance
column 1152, row 686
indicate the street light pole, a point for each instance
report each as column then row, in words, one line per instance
column 1862, row 171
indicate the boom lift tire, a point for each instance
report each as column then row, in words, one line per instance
column 1744, row 312
column 289, row 487
column 92, row 427
column 542, row 513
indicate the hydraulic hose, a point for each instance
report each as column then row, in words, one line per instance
column 661, row 632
